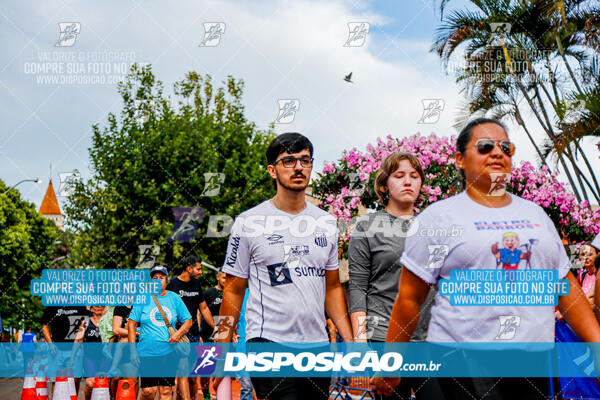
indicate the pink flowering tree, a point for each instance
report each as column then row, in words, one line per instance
column 344, row 185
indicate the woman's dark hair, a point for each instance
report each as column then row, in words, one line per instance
column 289, row 142
column 464, row 137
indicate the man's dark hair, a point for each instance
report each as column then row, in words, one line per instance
column 289, row 142
column 464, row 137
column 188, row 261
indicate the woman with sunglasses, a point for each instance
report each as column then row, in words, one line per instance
column 498, row 231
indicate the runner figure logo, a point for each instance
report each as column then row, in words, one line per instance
column 224, row 324
column 432, row 110
column 75, row 323
column 499, row 31
column 207, row 359
column 148, row 255
column 355, row 185
column 212, row 34
column 187, row 220
column 279, row 274
column 357, row 34
column 437, row 255
column 508, row 326
column 499, row 181
column 68, row 33
column 212, row 183
column 511, row 254
column 367, row 324
column 574, row 110
column 287, row 110
column 68, row 180
column 142, row 108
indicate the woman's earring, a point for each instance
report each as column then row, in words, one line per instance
column 386, row 197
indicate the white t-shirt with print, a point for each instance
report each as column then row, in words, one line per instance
column 284, row 257
column 464, row 233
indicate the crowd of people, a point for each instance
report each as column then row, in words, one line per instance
column 282, row 286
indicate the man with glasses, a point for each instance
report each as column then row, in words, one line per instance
column 286, row 251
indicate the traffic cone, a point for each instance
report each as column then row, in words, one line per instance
column 100, row 391
column 72, row 388
column 28, row 392
column 126, row 390
column 62, row 390
column 41, row 388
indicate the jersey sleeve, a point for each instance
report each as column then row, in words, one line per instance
column 182, row 312
column 237, row 257
column 136, row 313
column 424, row 255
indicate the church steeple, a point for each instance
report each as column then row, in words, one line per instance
column 50, row 209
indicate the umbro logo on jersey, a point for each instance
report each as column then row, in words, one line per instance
column 320, row 239
column 279, row 274
column 275, row 239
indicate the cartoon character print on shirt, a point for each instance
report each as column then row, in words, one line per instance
column 511, row 254
column 157, row 318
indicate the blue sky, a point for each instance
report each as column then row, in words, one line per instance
column 282, row 50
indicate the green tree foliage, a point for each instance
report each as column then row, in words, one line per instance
column 153, row 157
column 26, row 247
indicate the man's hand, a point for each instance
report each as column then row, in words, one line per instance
column 384, row 386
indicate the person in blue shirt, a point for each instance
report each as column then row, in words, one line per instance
column 153, row 349
column 27, row 347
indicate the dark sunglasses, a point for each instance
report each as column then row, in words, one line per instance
column 484, row 146
column 290, row 161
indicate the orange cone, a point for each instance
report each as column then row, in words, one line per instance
column 100, row 391
column 41, row 388
column 62, row 390
column 28, row 392
column 126, row 390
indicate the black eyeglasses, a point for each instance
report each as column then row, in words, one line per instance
column 485, row 146
column 290, row 161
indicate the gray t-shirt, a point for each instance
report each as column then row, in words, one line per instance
column 376, row 244
column 284, row 257
column 467, row 235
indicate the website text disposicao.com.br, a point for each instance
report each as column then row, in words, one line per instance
column 351, row 362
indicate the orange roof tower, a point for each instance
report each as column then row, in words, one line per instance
column 50, row 209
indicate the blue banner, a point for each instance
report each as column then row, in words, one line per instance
column 311, row 359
